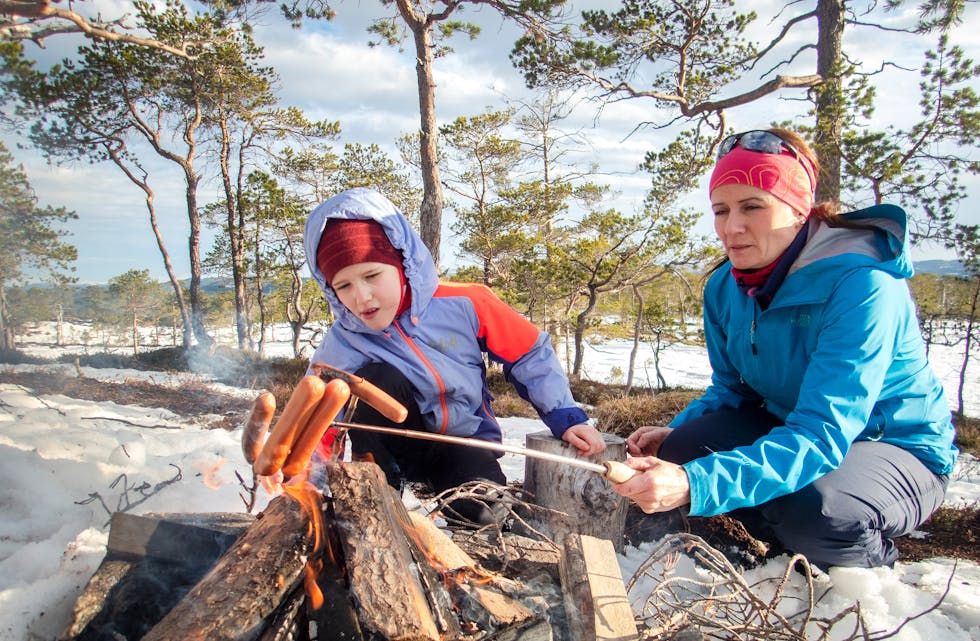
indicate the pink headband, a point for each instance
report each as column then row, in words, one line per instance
column 783, row 176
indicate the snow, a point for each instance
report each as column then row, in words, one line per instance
column 67, row 463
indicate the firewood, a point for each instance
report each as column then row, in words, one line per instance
column 438, row 547
column 151, row 561
column 395, row 596
column 247, row 584
column 596, row 603
column 518, row 556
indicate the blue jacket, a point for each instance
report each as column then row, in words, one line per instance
column 838, row 356
column 440, row 341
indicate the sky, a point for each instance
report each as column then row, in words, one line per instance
column 57, row 451
column 329, row 71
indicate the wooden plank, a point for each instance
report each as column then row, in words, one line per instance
column 596, row 603
column 591, row 505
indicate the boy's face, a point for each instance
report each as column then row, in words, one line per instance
column 371, row 291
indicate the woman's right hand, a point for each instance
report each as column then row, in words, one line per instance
column 646, row 440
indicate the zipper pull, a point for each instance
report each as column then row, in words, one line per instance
column 755, row 350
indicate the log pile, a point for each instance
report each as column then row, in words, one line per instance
column 362, row 569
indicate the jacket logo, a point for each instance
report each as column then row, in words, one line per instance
column 802, row 319
column 447, row 344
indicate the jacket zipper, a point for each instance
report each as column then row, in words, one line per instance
column 435, row 375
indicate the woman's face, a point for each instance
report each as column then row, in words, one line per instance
column 754, row 226
column 372, row 291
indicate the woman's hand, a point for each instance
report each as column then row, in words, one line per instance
column 586, row 439
column 660, row 485
column 646, row 440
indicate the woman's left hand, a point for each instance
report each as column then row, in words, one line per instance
column 586, row 439
column 659, row 486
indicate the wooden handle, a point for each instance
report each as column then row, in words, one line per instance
column 617, row 472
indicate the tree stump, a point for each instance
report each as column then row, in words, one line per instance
column 583, row 502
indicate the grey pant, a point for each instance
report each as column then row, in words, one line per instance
column 848, row 517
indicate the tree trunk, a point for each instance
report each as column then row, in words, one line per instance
column 580, row 322
column 234, row 232
column 6, row 333
column 194, row 253
column 830, row 34
column 430, row 213
column 259, row 294
column 637, row 326
column 136, row 340
column 149, row 196
column 970, row 324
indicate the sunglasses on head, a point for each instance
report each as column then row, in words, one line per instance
column 758, row 140
column 764, row 142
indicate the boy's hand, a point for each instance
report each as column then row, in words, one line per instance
column 586, row 439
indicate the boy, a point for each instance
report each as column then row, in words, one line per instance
column 423, row 342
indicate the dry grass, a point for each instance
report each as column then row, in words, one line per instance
column 624, row 414
column 968, row 434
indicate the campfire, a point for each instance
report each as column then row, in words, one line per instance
column 354, row 564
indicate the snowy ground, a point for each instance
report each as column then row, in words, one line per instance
column 68, row 463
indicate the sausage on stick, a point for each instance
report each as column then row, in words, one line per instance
column 366, row 391
column 301, row 405
column 335, row 396
column 257, row 427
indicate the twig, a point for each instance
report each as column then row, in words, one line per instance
column 726, row 607
column 251, row 489
column 122, row 420
column 123, row 502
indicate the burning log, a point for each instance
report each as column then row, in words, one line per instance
column 250, row 582
column 396, row 597
column 579, row 501
column 595, row 596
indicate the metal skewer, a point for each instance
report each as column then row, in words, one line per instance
column 612, row 470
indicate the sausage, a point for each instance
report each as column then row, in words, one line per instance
column 378, row 399
column 335, row 396
column 367, row 392
column 294, row 417
column 257, row 427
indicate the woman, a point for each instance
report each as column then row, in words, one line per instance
column 424, row 342
column 824, row 429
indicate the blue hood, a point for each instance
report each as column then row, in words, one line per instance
column 362, row 203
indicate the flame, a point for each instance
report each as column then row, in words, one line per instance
column 313, row 592
column 311, row 501
column 209, row 473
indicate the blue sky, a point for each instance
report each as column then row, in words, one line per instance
column 329, row 71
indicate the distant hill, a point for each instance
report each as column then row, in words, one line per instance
column 940, row 267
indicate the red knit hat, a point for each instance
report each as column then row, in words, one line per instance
column 348, row 242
